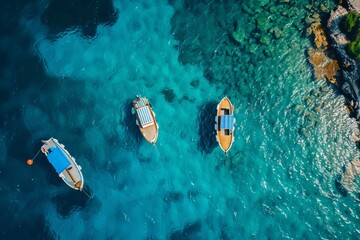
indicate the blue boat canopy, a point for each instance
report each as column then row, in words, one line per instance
column 227, row 122
column 141, row 102
column 58, row 159
column 144, row 115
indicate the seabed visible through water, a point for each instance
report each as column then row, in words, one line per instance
column 292, row 132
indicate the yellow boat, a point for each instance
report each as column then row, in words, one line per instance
column 224, row 124
column 145, row 119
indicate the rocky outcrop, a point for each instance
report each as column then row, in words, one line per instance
column 239, row 35
column 349, row 77
column 351, row 171
column 320, row 37
column 323, row 65
column 354, row 4
column 344, row 71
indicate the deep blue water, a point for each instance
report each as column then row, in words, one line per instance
column 69, row 69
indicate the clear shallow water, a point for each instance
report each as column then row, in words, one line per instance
column 279, row 178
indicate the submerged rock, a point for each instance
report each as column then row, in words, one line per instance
column 323, row 8
column 195, row 83
column 239, row 35
column 273, row 9
column 278, row 33
column 263, row 3
column 289, row 13
column 265, row 40
column 247, row 8
column 173, row 196
column 168, row 94
column 315, row 15
column 252, row 7
column 267, row 53
column 263, row 24
column 309, row 20
column 252, row 48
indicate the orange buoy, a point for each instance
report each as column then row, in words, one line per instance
column 31, row 160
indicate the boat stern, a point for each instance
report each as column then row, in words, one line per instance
column 79, row 185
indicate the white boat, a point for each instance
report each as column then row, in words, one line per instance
column 65, row 165
column 145, row 119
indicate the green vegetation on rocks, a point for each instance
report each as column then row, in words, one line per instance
column 354, row 47
column 352, row 22
column 351, row 26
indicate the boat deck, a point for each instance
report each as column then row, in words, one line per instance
column 150, row 133
column 225, row 140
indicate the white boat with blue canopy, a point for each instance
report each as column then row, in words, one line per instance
column 65, row 165
column 145, row 119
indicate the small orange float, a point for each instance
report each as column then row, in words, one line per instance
column 31, row 160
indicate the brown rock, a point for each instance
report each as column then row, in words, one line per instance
column 323, row 66
column 308, row 31
column 320, row 38
column 315, row 15
column 333, row 80
column 330, row 69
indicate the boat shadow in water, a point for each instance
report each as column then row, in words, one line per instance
column 69, row 202
column 206, row 119
column 189, row 231
column 129, row 123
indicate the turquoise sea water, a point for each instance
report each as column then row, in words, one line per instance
column 292, row 132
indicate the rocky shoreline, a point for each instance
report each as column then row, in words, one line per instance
column 349, row 74
column 331, row 60
column 347, row 78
